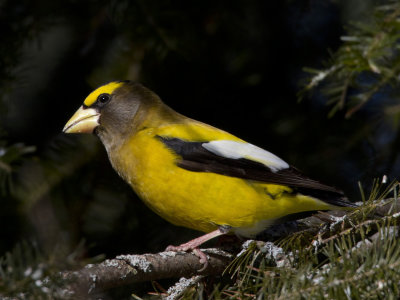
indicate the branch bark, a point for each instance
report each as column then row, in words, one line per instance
column 127, row 269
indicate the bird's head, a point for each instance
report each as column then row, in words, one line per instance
column 112, row 111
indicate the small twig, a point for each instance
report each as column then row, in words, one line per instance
column 393, row 208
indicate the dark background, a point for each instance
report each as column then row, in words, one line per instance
column 236, row 65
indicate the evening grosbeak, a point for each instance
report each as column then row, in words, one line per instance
column 193, row 174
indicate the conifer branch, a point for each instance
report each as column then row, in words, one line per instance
column 368, row 50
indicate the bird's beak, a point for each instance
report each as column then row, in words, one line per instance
column 85, row 120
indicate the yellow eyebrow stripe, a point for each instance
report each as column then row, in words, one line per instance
column 105, row 89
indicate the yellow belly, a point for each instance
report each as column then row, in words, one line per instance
column 201, row 200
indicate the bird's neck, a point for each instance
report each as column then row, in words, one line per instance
column 157, row 116
column 153, row 116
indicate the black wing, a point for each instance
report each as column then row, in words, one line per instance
column 194, row 157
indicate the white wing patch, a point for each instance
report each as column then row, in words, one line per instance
column 237, row 150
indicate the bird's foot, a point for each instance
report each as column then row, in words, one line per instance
column 203, row 259
column 193, row 245
column 183, row 247
column 196, row 251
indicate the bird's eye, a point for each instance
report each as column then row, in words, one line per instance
column 103, row 98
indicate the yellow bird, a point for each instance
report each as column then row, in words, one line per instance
column 193, row 174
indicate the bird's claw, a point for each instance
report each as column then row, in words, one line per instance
column 203, row 258
column 196, row 251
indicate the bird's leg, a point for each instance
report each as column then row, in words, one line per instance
column 195, row 243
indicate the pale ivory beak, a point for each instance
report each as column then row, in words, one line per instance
column 84, row 120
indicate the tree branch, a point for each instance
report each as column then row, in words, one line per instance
column 127, row 269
